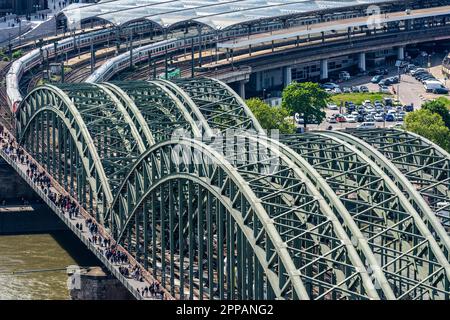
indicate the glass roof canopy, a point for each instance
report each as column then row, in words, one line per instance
column 217, row 14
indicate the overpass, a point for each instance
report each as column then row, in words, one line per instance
column 181, row 176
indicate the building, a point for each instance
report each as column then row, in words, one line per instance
column 22, row 6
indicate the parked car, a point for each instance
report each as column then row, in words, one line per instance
column 385, row 89
column 347, row 90
column 379, row 117
column 387, row 101
column 385, row 82
column 441, row 90
column 408, row 108
column 355, row 89
column 344, row 75
column 331, row 119
column 431, row 85
column 363, row 89
column 329, row 85
column 398, row 125
column 350, row 119
column 332, row 106
column 394, row 79
column 376, row 79
column 340, row 118
column 417, row 71
column 366, row 126
column 390, row 117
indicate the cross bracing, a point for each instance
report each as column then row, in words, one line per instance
column 183, row 176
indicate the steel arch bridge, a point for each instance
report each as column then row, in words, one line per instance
column 183, row 177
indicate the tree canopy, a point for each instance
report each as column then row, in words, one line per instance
column 429, row 125
column 306, row 99
column 439, row 107
column 271, row 118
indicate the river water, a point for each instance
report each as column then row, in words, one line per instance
column 24, row 260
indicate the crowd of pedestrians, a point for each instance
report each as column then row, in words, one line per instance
column 69, row 207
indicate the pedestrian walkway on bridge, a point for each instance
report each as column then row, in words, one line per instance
column 134, row 277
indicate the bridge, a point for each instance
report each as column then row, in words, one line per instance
column 183, row 180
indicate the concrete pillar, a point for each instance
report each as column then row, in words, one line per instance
column 242, row 89
column 287, row 76
column 401, row 53
column 95, row 284
column 323, row 69
column 362, row 61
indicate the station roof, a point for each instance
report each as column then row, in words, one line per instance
column 217, row 14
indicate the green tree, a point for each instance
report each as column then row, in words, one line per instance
column 429, row 125
column 271, row 117
column 439, row 107
column 306, row 98
column 17, row 54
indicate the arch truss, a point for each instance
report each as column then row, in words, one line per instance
column 321, row 215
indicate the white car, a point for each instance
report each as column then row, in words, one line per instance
column 379, row 117
column 351, row 119
column 337, row 90
column 366, row 126
column 367, row 103
column 385, row 89
column 398, row 125
column 332, row 106
column 370, row 109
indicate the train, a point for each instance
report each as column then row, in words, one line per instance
column 155, row 50
column 37, row 56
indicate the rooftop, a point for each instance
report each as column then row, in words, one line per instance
column 217, row 14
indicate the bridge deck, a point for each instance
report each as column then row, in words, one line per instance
column 84, row 235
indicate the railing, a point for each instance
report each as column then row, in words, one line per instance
column 83, row 237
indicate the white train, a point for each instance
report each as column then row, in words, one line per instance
column 158, row 49
column 37, row 56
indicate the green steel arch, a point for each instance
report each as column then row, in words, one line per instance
column 219, row 105
column 424, row 164
column 427, row 214
column 313, row 216
column 234, row 194
column 156, row 107
column 408, row 254
column 320, row 256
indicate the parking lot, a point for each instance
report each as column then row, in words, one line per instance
column 408, row 92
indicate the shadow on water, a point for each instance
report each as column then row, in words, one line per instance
column 75, row 248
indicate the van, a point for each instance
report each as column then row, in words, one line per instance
column 366, row 126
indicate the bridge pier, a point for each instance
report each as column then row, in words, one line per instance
column 323, row 69
column 401, row 53
column 362, row 62
column 242, row 88
column 95, row 284
column 287, row 76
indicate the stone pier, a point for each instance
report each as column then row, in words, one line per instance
column 95, row 284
